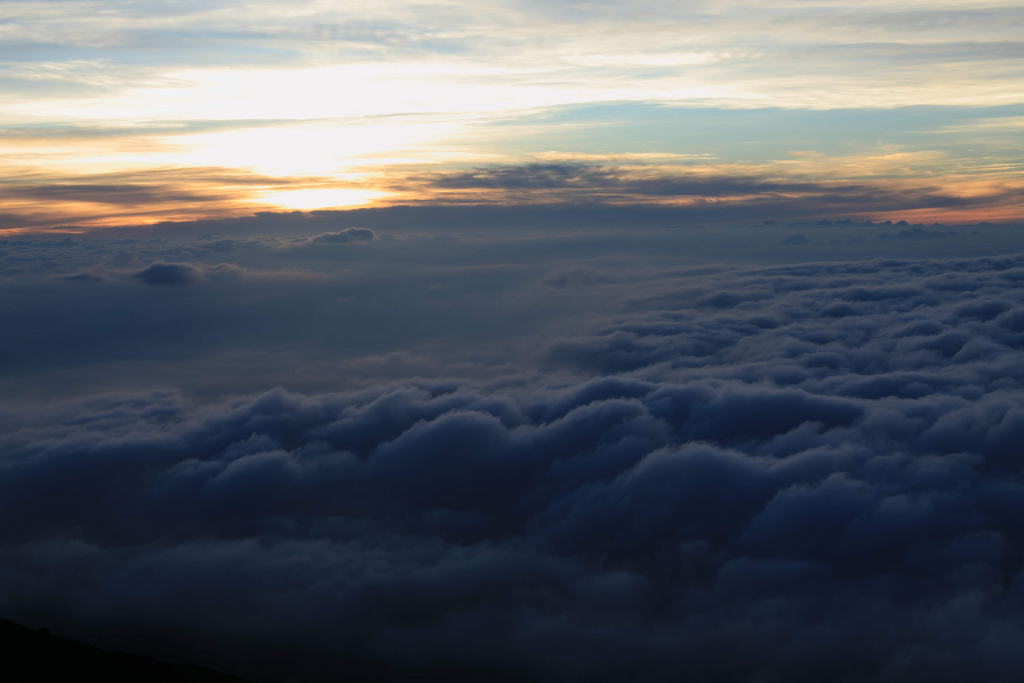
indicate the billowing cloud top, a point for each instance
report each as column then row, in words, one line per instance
column 575, row 455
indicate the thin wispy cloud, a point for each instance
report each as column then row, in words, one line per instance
column 351, row 95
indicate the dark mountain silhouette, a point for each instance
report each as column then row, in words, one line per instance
column 29, row 655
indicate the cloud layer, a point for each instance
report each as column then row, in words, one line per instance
column 801, row 472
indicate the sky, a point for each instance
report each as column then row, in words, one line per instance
column 124, row 113
column 548, row 342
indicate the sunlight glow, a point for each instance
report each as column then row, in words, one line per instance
column 320, row 198
column 304, row 106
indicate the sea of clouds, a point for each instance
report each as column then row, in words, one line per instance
column 729, row 455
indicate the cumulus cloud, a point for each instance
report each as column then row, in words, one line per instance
column 801, row 472
column 181, row 274
column 167, row 274
column 343, row 236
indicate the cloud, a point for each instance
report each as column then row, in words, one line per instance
column 346, row 235
column 917, row 234
column 790, row 472
column 515, row 194
column 167, row 274
column 579, row 182
column 84, row 277
column 101, row 193
column 162, row 274
column 142, row 195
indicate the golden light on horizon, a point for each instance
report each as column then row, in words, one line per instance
column 320, row 198
column 326, row 106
